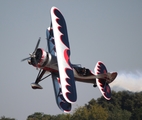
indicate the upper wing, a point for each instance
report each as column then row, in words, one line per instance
column 63, row 55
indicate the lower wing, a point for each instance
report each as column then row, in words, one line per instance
column 61, row 102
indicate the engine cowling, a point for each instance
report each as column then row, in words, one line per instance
column 43, row 59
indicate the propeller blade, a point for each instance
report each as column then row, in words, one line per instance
column 25, row 59
column 33, row 55
column 37, row 46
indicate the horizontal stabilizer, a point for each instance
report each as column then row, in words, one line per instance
column 104, row 88
column 102, row 82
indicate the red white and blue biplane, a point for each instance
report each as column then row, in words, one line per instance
column 64, row 74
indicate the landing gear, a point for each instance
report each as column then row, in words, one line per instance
column 36, row 86
column 39, row 79
column 94, row 85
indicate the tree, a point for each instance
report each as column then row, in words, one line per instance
column 124, row 105
column 90, row 111
column 35, row 116
column 4, row 118
column 80, row 113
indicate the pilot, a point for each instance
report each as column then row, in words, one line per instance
column 84, row 71
column 81, row 71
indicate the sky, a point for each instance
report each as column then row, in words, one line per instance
column 108, row 31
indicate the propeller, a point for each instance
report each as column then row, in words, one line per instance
column 33, row 55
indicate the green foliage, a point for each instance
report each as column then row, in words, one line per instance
column 41, row 116
column 87, row 112
column 124, row 105
column 4, row 118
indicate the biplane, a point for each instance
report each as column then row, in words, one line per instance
column 58, row 64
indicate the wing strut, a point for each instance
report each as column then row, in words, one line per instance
column 39, row 78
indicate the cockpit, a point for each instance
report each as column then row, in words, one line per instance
column 82, row 71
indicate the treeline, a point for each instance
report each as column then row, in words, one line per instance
column 124, row 105
column 6, row 118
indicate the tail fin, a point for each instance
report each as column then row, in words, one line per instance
column 102, row 82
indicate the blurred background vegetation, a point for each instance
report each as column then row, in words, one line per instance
column 124, row 105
